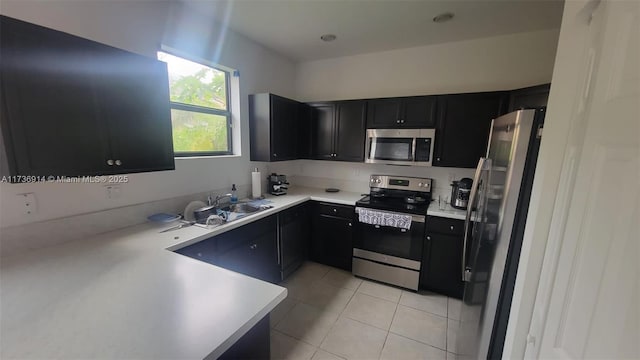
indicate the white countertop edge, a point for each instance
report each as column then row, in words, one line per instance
column 247, row 326
column 298, row 197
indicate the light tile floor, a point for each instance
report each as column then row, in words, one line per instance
column 331, row 314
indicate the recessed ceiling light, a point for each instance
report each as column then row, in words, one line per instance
column 328, row 37
column 443, row 17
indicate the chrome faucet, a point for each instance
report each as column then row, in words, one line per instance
column 216, row 202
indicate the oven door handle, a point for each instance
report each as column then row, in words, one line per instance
column 414, row 218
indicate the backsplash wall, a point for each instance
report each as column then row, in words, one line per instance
column 354, row 177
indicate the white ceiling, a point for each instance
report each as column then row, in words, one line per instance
column 293, row 27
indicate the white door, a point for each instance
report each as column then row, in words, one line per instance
column 593, row 310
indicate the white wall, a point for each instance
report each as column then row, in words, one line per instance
column 141, row 26
column 495, row 63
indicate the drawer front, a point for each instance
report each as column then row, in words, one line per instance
column 343, row 211
column 445, row 226
column 242, row 235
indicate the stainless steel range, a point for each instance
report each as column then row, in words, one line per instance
column 391, row 230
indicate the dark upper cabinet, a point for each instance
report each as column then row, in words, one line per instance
column 462, row 131
column 350, row 130
column 274, row 126
column 529, row 97
column 322, row 125
column 73, row 107
column 305, row 116
column 403, row 112
column 338, row 130
column 138, row 139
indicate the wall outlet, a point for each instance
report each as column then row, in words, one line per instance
column 113, row 191
column 28, row 204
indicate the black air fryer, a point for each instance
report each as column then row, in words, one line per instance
column 460, row 191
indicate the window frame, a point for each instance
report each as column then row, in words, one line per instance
column 205, row 110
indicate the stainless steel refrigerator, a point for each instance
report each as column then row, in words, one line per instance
column 500, row 197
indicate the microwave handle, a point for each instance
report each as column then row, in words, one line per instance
column 413, row 150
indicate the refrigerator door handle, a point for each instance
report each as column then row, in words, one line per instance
column 467, row 220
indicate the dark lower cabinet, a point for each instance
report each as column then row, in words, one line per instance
column 463, row 127
column 254, row 345
column 442, row 257
column 250, row 249
column 332, row 235
column 294, row 232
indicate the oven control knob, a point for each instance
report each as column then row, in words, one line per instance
column 420, row 184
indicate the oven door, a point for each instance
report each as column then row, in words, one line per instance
column 401, row 243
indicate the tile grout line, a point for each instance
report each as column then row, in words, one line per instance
column 421, row 342
column 389, row 331
column 337, row 318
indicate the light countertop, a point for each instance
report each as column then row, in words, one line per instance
column 123, row 294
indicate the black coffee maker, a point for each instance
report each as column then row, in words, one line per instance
column 278, row 184
column 460, row 191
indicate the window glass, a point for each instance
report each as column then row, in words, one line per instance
column 200, row 113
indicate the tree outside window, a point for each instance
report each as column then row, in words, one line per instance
column 200, row 113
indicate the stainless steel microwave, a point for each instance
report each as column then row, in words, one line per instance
column 400, row 146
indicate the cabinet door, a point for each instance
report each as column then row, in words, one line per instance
column 463, row 129
column 140, row 124
column 322, row 131
column 383, row 113
column 256, row 257
column 418, row 112
column 48, row 118
column 284, row 128
column 305, row 118
column 350, row 131
column 332, row 241
column 204, row 250
column 530, row 97
column 442, row 262
column 294, row 232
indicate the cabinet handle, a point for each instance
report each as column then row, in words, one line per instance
column 438, row 159
column 118, row 162
column 397, row 121
column 199, row 254
column 350, row 224
column 428, row 237
column 110, row 162
column 401, row 121
column 275, row 155
column 335, row 210
column 451, row 227
column 253, row 246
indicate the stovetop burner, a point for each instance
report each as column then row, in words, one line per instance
column 398, row 194
column 393, row 204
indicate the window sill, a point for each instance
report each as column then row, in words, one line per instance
column 206, row 157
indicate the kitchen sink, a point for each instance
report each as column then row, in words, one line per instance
column 241, row 208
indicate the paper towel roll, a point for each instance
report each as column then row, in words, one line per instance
column 256, row 184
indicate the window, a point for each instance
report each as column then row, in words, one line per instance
column 200, row 114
